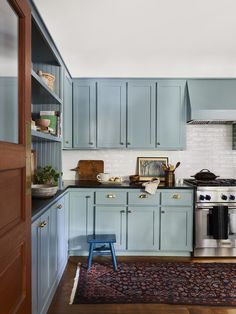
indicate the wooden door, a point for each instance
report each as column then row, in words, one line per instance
column 15, row 146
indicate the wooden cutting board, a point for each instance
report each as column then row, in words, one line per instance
column 89, row 169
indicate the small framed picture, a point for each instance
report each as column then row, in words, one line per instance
column 150, row 168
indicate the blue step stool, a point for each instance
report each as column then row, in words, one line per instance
column 105, row 239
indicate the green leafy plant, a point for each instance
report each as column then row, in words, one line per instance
column 47, row 175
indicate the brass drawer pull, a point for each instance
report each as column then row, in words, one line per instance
column 59, row 206
column 143, row 196
column 176, row 196
column 43, row 224
column 111, row 196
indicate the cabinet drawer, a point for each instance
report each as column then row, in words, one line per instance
column 110, row 197
column 176, row 198
column 142, row 198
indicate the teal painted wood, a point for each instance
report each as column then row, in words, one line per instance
column 143, row 198
column 111, row 114
column 110, row 197
column 177, row 198
column 141, row 114
column 112, row 220
column 143, row 228
column 67, row 112
column 43, row 261
column 176, row 229
column 84, row 114
column 34, row 254
column 80, row 219
column 53, row 250
column 59, row 207
column 171, row 115
column 67, row 206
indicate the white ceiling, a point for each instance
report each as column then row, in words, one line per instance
column 147, row 38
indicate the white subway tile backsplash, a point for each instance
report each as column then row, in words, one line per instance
column 208, row 146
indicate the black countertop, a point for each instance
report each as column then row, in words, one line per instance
column 41, row 205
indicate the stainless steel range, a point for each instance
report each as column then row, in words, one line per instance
column 215, row 217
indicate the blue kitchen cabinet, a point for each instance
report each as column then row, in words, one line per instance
column 49, row 256
column 67, row 112
column 112, row 220
column 176, row 228
column 141, row 108
column 80, row 220
column 111, row 114
column 171, row 115
column 84, row 113
column 143, row 228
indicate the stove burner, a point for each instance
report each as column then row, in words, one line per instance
column 217, row 182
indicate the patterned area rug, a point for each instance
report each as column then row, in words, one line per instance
column 155, row 282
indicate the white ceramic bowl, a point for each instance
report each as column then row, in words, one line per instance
column 44, row 190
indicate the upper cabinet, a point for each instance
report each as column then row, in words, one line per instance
column 84, row 114
column 171, row 115
column 67, row 111
column 111, row 114
column 135, row 114
column 141, row 108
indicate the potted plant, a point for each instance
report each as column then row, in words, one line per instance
column 46, row 182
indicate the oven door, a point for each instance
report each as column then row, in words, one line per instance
column 203, row 229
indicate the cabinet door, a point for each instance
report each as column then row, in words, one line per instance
column 141, row 114
column 67, row 112
column 61, row 247
column 43, row 260
column 112, row 220
column 80, row 220
column 53, row 250
column 171, row 114
column 143, row 228
column 111, row 114
column 34, row 252
column 84, row 114
column 176, row 229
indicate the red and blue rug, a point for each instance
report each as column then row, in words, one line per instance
column 157, row 282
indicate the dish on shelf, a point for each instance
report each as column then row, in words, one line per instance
column 43, row 190
column 110, row 182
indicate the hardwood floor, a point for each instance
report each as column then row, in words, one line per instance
column 60, row 303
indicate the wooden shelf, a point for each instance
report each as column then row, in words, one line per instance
column 40, row 136
column 41, row 93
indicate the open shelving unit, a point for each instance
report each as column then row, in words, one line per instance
column 44, row 58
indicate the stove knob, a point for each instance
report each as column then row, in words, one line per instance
column 224, row 197
column 208, row 197
column 232, row 197
column 201, row 197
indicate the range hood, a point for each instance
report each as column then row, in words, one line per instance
column 211, row 101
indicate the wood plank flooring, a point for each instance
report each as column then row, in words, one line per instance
column 60, row 303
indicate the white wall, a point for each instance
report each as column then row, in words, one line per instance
column 208, row 146
column 144, row 38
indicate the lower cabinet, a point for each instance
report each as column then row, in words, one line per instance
column 112, row 220
column 143, row 228
column 160, row 224
column 176, row 229
column 80, row 220
column 49, row 255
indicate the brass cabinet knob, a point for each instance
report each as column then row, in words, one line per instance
column 121, row 143
column 90, row 143
column 67, row 142
column 143, row 196
column 59, row 206
column 43, row 224
column 176, row 196
column 163, row 212
column 158, row 143
column 129, row 211
column 122, row 211
column 111, row 196
column 128, row 143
